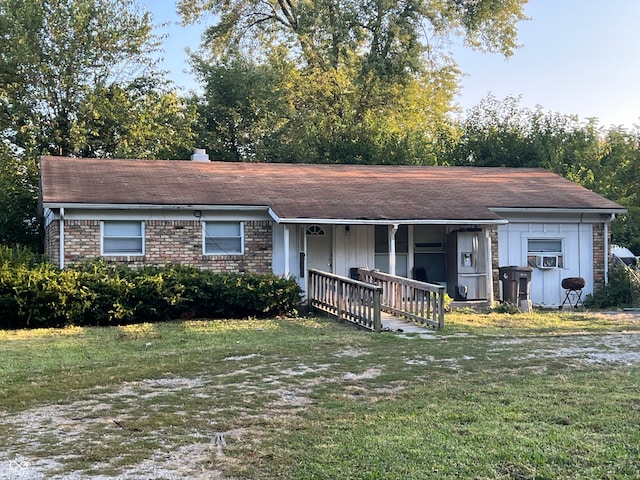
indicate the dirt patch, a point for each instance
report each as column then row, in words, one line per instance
column 369, row 373
column 618, row 348
column 352, row 353
column 68, row 426
column 238, row 358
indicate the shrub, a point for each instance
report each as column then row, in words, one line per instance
column 507, row 307
column 622, row 290
column 19, row 255
column 41, row 296
column 97, row 293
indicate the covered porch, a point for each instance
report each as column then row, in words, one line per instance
column 459, row 257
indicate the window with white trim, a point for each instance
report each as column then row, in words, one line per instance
column 122, row 237
column 545, row 252
column 223, row 238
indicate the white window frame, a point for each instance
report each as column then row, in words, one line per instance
column 222, row 253
column 546, row 252
column 557, row 253
column 132, row 253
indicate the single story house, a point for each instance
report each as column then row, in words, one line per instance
column 449, row 225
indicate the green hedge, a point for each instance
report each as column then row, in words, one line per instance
column 95, row 293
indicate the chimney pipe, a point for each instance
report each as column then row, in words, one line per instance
column 200, row 155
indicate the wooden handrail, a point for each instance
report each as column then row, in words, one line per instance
column 418, row 301
column 346, row 299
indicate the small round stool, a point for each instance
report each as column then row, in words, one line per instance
column 573, row 291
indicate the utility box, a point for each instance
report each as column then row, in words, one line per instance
column 516, row 286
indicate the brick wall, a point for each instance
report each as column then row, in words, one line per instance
column 167, row 241
column 598, row 256
column 52, row 242
column 81, row 240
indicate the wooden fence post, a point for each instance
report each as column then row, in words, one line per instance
column 340, row 298
column 377, row 320
column 440, row 308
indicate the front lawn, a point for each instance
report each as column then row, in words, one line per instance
column 544, row 396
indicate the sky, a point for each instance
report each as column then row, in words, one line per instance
column 578, row 57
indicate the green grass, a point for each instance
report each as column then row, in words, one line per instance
column 542, row 396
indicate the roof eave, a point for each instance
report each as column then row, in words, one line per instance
column 601, row 211
column 390, row 221
column 147, row 206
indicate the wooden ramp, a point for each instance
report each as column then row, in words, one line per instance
column 395, row 324
column 378, row 302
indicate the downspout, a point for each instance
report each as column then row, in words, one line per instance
column 606, row 248
column 393, row 229
column 61, row 231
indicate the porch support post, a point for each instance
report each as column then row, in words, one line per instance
column 287, row 253
column 393, row 229
column 61, row 234
column 489, row 266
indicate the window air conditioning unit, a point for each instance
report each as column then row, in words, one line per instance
column 547, row 261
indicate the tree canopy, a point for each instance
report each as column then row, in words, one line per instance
column 79, row 78
column 351, row 81
column 62, row 63
column 355, row 81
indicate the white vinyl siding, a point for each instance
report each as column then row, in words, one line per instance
column 223, row 238
column 122, row 238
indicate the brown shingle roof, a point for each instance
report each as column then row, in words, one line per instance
column 374, row 192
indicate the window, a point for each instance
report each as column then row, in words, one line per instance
column 122, row 238
column 316, row 231
column 545, row 253
column 223, row 238
column 545, row 245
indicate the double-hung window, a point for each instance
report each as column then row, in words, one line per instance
column 122, row 238
column 223, row 238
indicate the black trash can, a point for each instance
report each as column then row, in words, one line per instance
column 516, row 283
column 354, row 274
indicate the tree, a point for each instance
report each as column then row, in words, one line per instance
column 390, row 36
column 135, row 120
column 62, row 64
column 77, row 78
column 357, row 81
column 503, row 133
column 18, row 202
column 619, row 179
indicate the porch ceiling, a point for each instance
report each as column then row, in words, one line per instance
column 300, row 191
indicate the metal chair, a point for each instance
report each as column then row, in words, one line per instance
column 573, row 291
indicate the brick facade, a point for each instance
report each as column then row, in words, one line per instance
column 52, row 241
column 598, row 256
column 166, row 242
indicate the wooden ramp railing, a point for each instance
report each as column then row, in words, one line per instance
column 418, row 301
column 345, row 299
column 362, row 301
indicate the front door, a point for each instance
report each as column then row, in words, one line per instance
column 319, row 256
